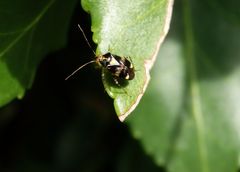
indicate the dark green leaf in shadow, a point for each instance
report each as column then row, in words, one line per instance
column 28, row 31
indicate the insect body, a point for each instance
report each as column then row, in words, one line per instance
column 119, row 67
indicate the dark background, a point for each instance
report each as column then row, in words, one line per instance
column 68, row 125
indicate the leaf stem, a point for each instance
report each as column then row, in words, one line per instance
column 196, row 106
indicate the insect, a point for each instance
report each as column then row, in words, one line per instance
column 119, row 67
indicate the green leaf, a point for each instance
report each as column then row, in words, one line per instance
column 133, row 29
column 29, row 30
column 188, row 120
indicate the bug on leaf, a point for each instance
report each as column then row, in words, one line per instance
column 118, row 67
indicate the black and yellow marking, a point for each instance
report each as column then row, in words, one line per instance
column 118, row 67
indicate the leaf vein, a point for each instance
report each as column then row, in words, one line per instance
column 31, row 25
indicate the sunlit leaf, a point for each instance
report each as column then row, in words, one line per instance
column 133, row 29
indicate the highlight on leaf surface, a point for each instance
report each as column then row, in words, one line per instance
column 133, row 29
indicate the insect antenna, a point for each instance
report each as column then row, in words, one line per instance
column 92, row 61
column 86, row 39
